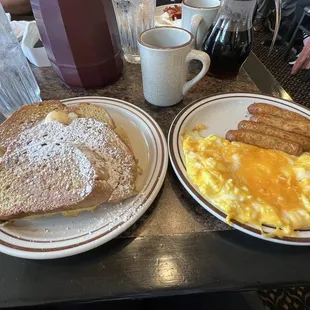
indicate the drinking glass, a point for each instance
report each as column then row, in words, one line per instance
column 17, row 83
column 133, row 17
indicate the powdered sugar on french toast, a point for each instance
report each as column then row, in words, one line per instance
column 26, row 117
column 89, row 223
column 28, row 178
column 113, row 215
column 100, row 139
column 103, row 219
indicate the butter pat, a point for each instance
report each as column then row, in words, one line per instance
column 58, row 116
column 73, row 116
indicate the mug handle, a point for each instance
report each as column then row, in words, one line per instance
column 195, row 22
column 205, row 60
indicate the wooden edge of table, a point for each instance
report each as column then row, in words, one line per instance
column 158, row 266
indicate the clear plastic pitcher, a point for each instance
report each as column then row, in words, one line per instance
column 17, row 83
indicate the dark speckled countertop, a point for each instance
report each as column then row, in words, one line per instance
column 173, row 202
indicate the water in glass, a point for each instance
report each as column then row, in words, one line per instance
column 133, row 17
column 17, row 83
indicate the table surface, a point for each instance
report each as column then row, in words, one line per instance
column 184, row 213
column 177, row 247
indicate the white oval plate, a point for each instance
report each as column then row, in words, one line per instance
column 58, row 236
column 219, row 114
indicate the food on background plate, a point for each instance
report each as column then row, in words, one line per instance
column 265, row 141
column 86, row 163
column 171, row 16
column 250, row 184
column 265, row 108
column 276, row 132
column 174, row 12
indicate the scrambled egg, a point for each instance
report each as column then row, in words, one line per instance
column 250, row 184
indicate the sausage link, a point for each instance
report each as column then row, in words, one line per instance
column 264, row 141
column 276, row 132
column 264, row 108
column 299, row 127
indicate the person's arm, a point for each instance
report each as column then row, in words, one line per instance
column 16, row 7
column 303, row 61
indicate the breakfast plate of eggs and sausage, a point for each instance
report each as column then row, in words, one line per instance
column 246, row 159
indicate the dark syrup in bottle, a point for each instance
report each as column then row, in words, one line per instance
column 228, row 49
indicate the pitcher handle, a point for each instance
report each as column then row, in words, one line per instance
column 195, row 22
column 205, row 60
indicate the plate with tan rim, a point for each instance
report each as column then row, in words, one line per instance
column 219, row 114
column 59, row 236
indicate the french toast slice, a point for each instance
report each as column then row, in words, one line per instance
column 50, row 177
column 87, row 110
column 2, row 151
column 31, row 115
column 27, row 117
column 100, row 139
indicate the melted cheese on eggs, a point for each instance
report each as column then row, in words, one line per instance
column 250, row 184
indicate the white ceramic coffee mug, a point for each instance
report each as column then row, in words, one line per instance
column 165, row 56
column 198, row 16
